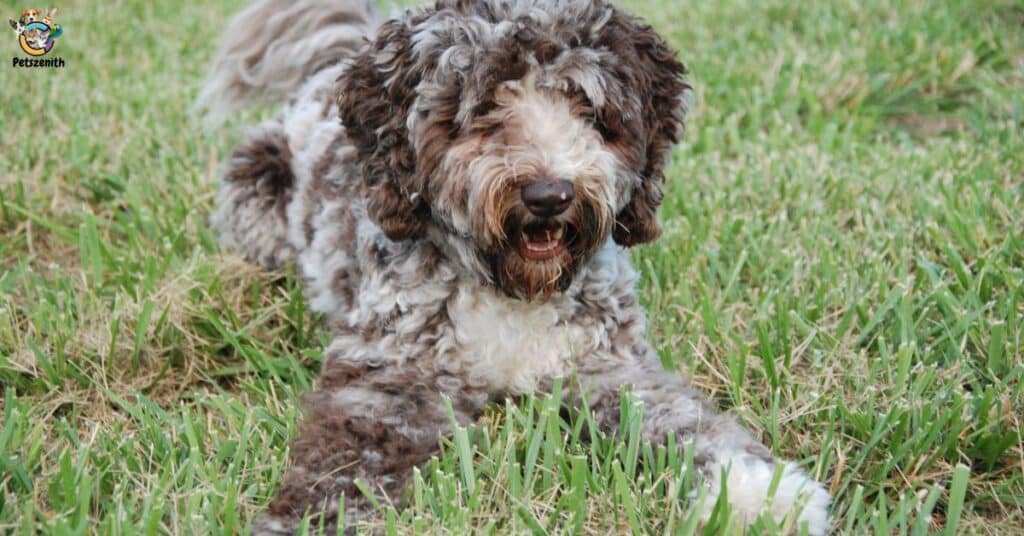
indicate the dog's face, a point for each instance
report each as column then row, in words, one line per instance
column 520, row 135
column 17, row 26
column 29, row 15
column 527, row 180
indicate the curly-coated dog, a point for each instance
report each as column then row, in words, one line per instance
column 458, row 190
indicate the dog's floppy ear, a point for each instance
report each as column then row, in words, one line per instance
column 656, row 80
column 375, row 96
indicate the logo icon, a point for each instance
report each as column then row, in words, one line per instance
column 36, row 34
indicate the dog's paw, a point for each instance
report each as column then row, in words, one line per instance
column 269, row 525
column 748, row 480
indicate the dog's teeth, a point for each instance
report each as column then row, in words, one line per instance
column 549, row 242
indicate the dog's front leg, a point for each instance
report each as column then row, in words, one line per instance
column 366, row 423
column 721, row 446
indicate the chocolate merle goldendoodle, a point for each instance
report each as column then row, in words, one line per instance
column 458, row 190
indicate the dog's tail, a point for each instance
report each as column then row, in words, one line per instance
column 271, row 47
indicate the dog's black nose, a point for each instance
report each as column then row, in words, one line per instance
column 548, row 197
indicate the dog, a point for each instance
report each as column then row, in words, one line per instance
column 459, row 190
column 29, row 15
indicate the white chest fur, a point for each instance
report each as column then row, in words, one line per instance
column 513, row 344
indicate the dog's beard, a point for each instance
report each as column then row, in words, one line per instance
column 539, row 257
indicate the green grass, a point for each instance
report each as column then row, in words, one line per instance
column 843, row 267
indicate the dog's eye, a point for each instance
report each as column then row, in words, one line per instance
column 587, row 108
column 608, row 126
column 478, row 125
column 583, row 99
column 609, row 135
column 485, row 107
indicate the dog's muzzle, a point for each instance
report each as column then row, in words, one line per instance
column 544, row 237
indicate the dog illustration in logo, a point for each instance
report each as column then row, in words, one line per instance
column 29, row 15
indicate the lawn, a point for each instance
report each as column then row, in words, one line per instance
column 843, row 268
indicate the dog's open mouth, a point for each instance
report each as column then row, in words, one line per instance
column 544, row 241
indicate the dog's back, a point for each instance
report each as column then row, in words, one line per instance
column 271, row 48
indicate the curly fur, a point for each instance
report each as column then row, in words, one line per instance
column 392, row 179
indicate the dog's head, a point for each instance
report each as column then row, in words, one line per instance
column 521, row 135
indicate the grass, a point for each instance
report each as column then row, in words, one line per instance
column 843, row 267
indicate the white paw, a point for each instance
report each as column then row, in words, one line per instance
column 747, row 483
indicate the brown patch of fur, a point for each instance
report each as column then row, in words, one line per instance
column 373, row 107
column 655, row 72
column 265, row 162
column 255, row 192
column 337, row 444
